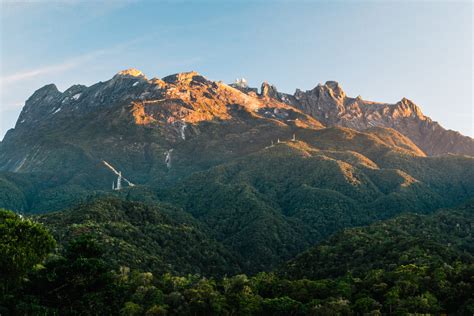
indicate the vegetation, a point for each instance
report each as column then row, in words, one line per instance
column 232, row 205
column 158, row 238
column 439, row 239
column 250, row 184
column 23, row 245
column 411, row 264
column 66, row 174
column 272, row 205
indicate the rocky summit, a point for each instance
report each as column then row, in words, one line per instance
column 159, row 132
column 330, row 105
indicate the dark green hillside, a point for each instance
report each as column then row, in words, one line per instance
column 270, row 205
column 413, row 264
column 154, row 238
column 265, row 203
column 39, row 192
column 395, row 168
column 11, row 196
column 442, row 238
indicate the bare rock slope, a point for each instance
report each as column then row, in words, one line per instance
column 330, row 105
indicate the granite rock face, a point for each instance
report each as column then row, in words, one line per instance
column 330, row 105
column 133, row 118
column 268, row 91
column 158, row 132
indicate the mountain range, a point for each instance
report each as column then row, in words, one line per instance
column 330, row 105
column 185, row 175
column 283, row 170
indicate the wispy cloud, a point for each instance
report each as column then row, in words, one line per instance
column 50, row 69
column 36, row 72
column 68, row 64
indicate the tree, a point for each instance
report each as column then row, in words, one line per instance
column 204, row 299
column 240, row 296
column 79, row 282
column 131, row 309
column 282, row 306
column 366, row 305
column 23, row 244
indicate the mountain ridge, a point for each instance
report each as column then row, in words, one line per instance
column 330, row 105
column 327, row 103
column 229, row 180
column 159, row 132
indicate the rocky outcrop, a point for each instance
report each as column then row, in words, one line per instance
column 130, row 118
column 330, row 105
column 160, row 131
column 83, row 121
column 268, row 91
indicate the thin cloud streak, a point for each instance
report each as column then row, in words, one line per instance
column 51, row 69
column 66, row 65
column 36, row 72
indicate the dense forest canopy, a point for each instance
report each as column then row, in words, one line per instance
column 409, row 264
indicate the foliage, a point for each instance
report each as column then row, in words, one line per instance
column 23, row 244
column 81, row 280
column 271, row 205
column 158, row 238
column 441, row 239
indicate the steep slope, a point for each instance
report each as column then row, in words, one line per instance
column 270, row 205
column 156, row 132
column 263, row 178
column 134, row 124
column 444, row 237
column 330, row 105
column 155, row 238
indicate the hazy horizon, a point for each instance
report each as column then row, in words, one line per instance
column 381, row 51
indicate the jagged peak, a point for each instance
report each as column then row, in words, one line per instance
column 184, row 77
column 336, row 89
column 268, row 90
column 48, row 87
column 131, row 72
column 43, row 91
column 407, row 104
column 406, row 101
column 332, row 84
column 75, row 88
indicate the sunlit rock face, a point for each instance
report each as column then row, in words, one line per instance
column 329, row 104
column 131, row 72
column 268, row 91
column 130, row 120
column 156, row 132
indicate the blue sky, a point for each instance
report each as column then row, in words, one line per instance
column 382, row 51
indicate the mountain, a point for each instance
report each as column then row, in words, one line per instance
column 131, row 118
column 330, row 105
column 185, row 175
column 264, row 179
column 159, row 131
column 270, row 205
